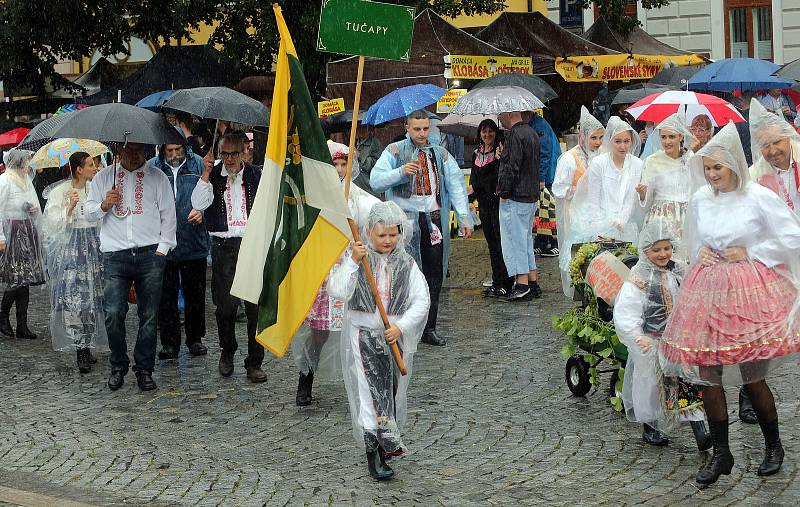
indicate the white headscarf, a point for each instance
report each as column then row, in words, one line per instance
column 676, row 124
column 615, row 127
column 766, row 128
column 588, row 125
column 725, row 148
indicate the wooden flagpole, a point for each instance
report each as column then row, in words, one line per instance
column 398, row 356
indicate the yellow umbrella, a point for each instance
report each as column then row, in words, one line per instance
column 56, row 153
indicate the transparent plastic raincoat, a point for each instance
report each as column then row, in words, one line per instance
column 571, row 168
column 771, row 133
column 668, row 180
column 605, row 203
column 75, row 268
column 310, row 344
column 22, row 258
column 640, row 316
column 734, row 321
column 375, row 388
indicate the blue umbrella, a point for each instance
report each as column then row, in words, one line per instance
column 402, row 102
column 154, row 101
column 732, row 74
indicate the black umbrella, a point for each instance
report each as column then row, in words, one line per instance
column 533, row 84
column 790, row 71
column 118, row 123
column 219, row 103
column 42, row 133
column 636, row 92
column 675, row 77
column 340, row 119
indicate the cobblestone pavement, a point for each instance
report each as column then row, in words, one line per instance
column 491, row 422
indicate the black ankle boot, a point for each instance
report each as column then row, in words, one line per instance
column 652, row 436
column 378, row 468
column 303, row 398
column 22, row 327
column 773, row 454
column 702, row 438
column 747, row 414
column 721, row 461
column 84, row 366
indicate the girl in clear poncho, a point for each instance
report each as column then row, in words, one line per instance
column 21, row 256
column 375, row 388
column 736, row 317
column 75, row 265
column 605, row 202
column 325, row 317
column 571, row 168
column 664, row 189
column 640, row 316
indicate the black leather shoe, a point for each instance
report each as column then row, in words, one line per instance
column 721, row 462
column 256, row 375
column 22, row 328
column 652, row 436
column 226, row 364
column 116, row 379
column 378, row 468
column 747, row 414
column 431, row 337
column 536, row 291
column 145, row 381
column 168, row 353
column 303, row 398
column 773, row 453
column 198, row 349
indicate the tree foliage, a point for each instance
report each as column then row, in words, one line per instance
column 614, row 12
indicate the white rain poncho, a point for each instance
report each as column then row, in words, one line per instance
column 75, row 267
column 312, row 347
column 640, row 316
column 668, row 180
column 376, row 390
column 22, row 260
column 605, row 203
column 572, row 166
column 767, row 129
column 734, row 321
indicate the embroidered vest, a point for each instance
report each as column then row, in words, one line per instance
column 216, row 216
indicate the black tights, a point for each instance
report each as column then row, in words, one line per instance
column 20, row 296
column 761, row 397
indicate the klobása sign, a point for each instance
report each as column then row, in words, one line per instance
column 449, row 99
column 619, row 67
column 481, row 67
column 330, row 107
column 365, row 28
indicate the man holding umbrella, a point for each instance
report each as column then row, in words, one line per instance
column 425, row 181
column 136, row 208
column 226, row 193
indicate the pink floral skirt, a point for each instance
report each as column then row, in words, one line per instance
column 731, row 313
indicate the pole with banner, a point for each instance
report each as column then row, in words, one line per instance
column 378, row 30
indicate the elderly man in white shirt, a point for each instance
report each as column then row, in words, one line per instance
column 136, row 210
column 225, row 193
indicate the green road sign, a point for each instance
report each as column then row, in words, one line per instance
column 362, row 27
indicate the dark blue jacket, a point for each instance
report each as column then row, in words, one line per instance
column 550, row 149
column 193, row 242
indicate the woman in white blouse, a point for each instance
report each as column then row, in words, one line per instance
column 21, row 260
column 736, row 317
column 606, row 198
column 75, row 265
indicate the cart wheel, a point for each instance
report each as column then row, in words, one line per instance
column 612, row 386
column 577, row 376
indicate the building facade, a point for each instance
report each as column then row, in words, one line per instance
column 766, row 29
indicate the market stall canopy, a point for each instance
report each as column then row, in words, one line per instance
column 638, row 41
column 433, row 39
column 173, row 67
column 534, row 35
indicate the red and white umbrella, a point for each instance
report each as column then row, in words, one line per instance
column 658, row 106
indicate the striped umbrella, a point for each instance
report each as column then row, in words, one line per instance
column 688, row 105
column 70, row 108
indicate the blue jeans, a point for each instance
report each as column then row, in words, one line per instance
column 516, row 236
column 143, row 268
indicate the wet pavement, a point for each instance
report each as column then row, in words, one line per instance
column 491, row 422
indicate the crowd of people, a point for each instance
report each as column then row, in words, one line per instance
column 712, row 300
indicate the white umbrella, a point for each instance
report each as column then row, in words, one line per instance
column 496, row 100
column 464, row 125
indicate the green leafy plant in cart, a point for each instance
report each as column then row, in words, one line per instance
column 587, row 334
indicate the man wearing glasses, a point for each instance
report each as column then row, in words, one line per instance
column 225, row 193
column 136, row 210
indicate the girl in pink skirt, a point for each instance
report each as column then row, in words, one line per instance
column 736, row 317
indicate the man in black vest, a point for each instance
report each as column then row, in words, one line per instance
column 225, row 193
